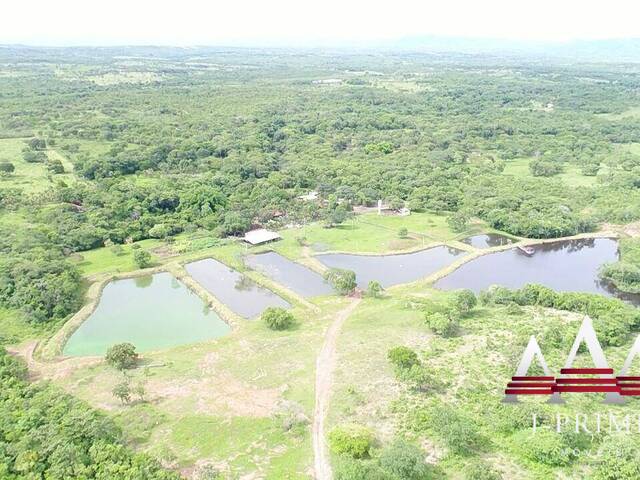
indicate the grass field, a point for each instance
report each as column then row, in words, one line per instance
column 368, row 233
column 30, row 177
column 571, row 176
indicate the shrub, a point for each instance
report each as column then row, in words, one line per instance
column 278, row 318
column 404, row 460
column 403, row 232
column 122, row 356
column 6, row 167
column 348, row 469
column 459, row 434
column 458, row 221
column 142, row 258
column 480, row 470
column 442, row 323
column 374, row 289
column 464, row 301
column 417, row 377
column 618, row 459
column 122, row 391
column 343, row 281
column 545, row 447
column 403, row 357
column 354, row 441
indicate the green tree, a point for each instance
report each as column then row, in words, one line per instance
column 278, row 318
column 374, row 289
column 122, row 356
column 445, row 324
column 403, row 232
column 343, row 281
column 464, row 301
column 352, row 440
column 402, row 357
column 458, row 221
column 404, row 461
column 142, row 258
column 122, row 391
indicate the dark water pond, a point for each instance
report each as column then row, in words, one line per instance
column 152, row 312
column 393, row 269
column 238, row 292
column 570, row 265
column 487, row 240
column 298, row 278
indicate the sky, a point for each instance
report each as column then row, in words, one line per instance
column 309, row 22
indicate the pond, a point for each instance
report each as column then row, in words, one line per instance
column 237, row 291
column 152, row 312
column 296, row 277
column 487, row 240
column 393, row 269
column 569, row 265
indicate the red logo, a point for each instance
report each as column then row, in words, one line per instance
column 600, row 379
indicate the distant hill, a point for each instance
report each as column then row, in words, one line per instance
column 611, row 50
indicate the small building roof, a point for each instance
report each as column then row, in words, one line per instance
column 313, row 195
column 260, row 235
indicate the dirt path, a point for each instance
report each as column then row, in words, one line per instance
column 325, row 364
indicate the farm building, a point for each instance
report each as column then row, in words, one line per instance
column 260, row 236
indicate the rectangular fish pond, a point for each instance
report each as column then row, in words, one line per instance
column 237, row 291
column 393, row 269
column 152, row 312
column 296, row 277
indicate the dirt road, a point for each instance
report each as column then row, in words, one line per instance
column 325, row 366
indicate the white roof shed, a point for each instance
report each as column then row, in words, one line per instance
column 261, row 235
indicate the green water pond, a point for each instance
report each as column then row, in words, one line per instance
column 152, row 312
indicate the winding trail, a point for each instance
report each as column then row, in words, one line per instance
column 325, row 365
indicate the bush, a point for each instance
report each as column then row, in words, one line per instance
column 442, row 323
column 354, row 441
column 417, row 377
column 278, row 318
column 374, row 289
column 6, row 167
column 122, row 356
column 403, row 232
column 464, row 301
column 480, row 470
column 544, row 446
column 459, row 434
column 458, row 221
column 348, row 469
column 142, row 258
column 404, row 461
column 343, row 281
column 618, row 459
column 403, row 357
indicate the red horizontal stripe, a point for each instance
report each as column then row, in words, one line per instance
column 593, row 381
column 630, row 393
column 629, row 385
column 586, row 371
column 586, row 389
column 526, row 379
column 530, row 384
column 624, row 379
column 528, row 391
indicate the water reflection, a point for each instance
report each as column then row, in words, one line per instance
column 235, row 290
column 487, row 240
column 292, row 275
column 569, row 265
column 393, row 269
